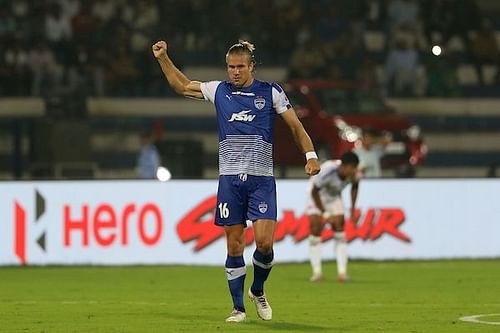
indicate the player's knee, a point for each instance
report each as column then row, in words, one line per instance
column 264, row 246
column 338, row 223
column 315, row 225
column 314, row 240
column 235, row 247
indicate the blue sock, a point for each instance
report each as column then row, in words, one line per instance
column 236, row 272
column 262, row 265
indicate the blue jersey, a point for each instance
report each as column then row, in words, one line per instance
column 245, row 119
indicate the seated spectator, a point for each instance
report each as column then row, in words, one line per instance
column 401, row 69
column 307, row 61
column 403, row 15
column 47, row 73
column 15, row 64
column 464, row 18
column 366, row 75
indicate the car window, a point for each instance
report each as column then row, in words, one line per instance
column 337, row 101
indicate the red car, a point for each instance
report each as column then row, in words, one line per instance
column 334, row 112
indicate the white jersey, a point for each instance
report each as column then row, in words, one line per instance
column 331, row 186
column 329, row 181
column 369, row 160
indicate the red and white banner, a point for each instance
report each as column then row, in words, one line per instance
column 149, row 222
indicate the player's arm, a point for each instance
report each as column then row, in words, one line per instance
column 302, row 140
column 354, row 197
column 176, row 79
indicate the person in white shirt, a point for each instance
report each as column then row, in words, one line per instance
column 370, row 150
column 325, row 204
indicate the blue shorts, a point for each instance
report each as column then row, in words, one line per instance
column 244, row 197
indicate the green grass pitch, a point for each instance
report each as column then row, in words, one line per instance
column 423, row 296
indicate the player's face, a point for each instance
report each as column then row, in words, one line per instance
column 239, row 69
column 349, row 171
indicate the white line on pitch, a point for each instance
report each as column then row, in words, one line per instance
column 475, row 319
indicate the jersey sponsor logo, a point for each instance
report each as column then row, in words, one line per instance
column 263, row 207
column 259, row 102
column 242, row 93
column 242, row 116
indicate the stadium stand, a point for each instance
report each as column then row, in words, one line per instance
column 59, row 51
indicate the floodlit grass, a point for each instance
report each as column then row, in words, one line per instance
column 426, row 296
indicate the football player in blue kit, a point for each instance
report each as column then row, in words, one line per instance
column 246, row 109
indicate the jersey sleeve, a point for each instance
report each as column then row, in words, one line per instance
column 208, row 90
column 280, row 100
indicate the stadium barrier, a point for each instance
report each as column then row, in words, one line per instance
column 149, row 222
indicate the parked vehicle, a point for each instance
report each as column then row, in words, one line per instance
column 334, row 113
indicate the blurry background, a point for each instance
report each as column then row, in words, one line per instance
column 79, row 86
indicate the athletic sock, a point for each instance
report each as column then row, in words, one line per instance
column 262, row 265
column 236, row 272
column 315, row 250
column 341, row 252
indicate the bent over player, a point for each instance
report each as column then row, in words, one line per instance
column 245, row 109
column 325, row 203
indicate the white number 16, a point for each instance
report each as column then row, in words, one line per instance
column 223, row 210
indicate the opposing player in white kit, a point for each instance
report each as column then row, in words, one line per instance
column 325, row 203
column 245, row 109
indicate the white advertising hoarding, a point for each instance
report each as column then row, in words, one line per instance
column 149, row 222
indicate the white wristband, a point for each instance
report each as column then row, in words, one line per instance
column 311, row 154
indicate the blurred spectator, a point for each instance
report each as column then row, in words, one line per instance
column 370, row 150
column 403, row 13
column 47, row 73
column 375, row 13
column 330, row 25
column 492, row 171
column 84, row 25
column 148, row 160
column 401, row 69
column 403, row 16
column 146, row 19
column 485, row 50
column 354, row 13
column 86, row 73
column 69, row 8
column 103, row 11
column 318, row 39
column 57, row 26
column 15, row 64
column 367, row 75
column 122, row 71
column 436, row 17
column 464, row 18
column 307, row 61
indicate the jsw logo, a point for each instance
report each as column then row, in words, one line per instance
column 242, row 116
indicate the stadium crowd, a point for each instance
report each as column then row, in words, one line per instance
column 102, row 47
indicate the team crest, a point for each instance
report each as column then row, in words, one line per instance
column 259, row 102
column 263, row 207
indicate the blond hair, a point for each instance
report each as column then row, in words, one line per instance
column 242, row 46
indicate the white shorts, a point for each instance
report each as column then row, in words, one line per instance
column 333, row 206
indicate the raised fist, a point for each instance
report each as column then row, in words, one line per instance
column 159, row 49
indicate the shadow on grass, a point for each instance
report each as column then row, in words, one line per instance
column 293, row 327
